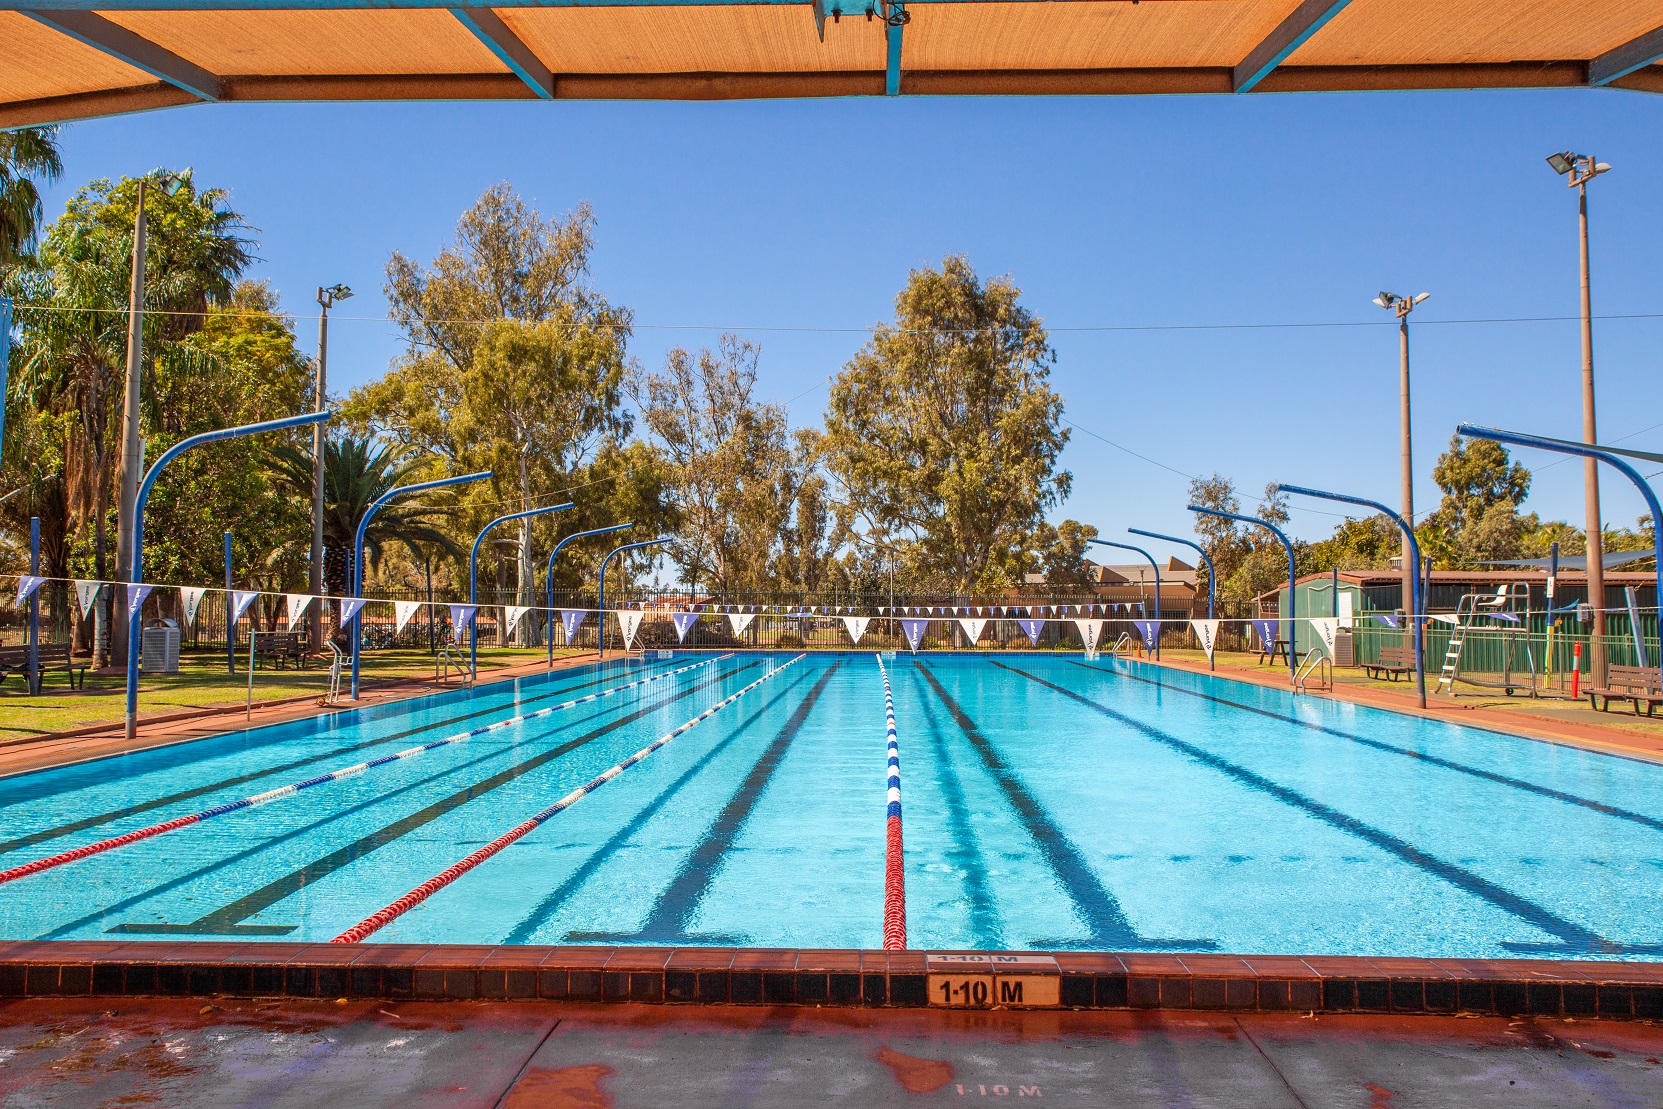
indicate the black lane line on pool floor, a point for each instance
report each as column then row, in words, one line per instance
column 1380, row 745
column 1099, row 909
column 527, row 927
column 1574, row 936
column 674, row 909
column 227, row 919
column 255, row 775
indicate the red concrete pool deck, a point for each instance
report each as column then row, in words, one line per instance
column 517, row 1055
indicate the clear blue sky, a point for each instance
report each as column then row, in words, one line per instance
column 1109, row 213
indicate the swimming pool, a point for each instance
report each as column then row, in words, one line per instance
column 1049, row 803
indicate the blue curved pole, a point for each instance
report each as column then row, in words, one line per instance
column 473, row 574
column 548, row 577
column 1416, row 602
column 1212, row 578
column 1614, row 461
column 137, row 575
column 358, row 548
column 600, row 602
column 1287, row 545
column 1157, row 568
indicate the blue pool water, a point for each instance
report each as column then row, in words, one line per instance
column 1050, row 803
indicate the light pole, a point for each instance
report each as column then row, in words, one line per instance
column 132, row 456
column 1402, row 306
column 314, row 578
column 1579, row 169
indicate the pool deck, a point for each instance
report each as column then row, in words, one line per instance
column 427, row 1055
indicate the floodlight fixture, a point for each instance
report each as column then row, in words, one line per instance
column 169, row 181
column 1562, row 163
column 328, row 297
column 1385, row 300
column 1579, row 169
column 1421, row 296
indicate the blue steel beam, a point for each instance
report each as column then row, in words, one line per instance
column 1293, row 585
column 895, row 19
column 1292, row 33
column 1157, row 568
column 473, row 574
column 118, row 42
column 487, row 26
column 1627, row 58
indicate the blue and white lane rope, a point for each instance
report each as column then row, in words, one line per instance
column 895, row 870
column 293, row 788
column 380, row 919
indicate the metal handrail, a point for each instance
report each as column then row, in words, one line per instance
column 1123, row 644
column 1314, row 662
column 337, row 660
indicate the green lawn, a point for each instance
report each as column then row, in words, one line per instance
column 200, row 683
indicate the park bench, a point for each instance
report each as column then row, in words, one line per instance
column 1392, row 662
column 280, row 648
column 1629, row 683
column 15, row 660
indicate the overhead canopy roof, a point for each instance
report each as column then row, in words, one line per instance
column 71, row 59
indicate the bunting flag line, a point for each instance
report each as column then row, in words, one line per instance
column 460, row 617
column 856, row 626
column 1033, row 628
column 914, row 631
column 1207, row 632
column 86, row 594
column 739, row 621
column 1091, row 631
column 298, row 604
column 1266, row 631
column 26, row 585
column 1150, row 630
column 1327, row 629
column 1388, row 618
column 136, row 595
column 629, row 621
column 404, row 610
column 683, row 621
column 972, row 627
column 190, row 599
column 572, row 619
column 350, row 607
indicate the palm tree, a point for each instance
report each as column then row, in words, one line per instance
column 24, row 156
column 356, row 472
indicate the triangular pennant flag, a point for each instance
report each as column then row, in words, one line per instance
column 460, row 617
column 972, row 627
column 914, row 630
column 1091, row 631
column 26, row 585
column 240, row 600
column 1033, row 628
column 683, row 621
column 739, row 621
column 629, row 622
column 350, row 607
column 572, row 619
column 86, row 593
column 1388, row 618
column 136, row 595
column 190, row 597
column 512, row 615
column 1327, row 628
column 1266, row 631
column 1207, row 632
column 1445, row 617
column 298, row 604
column 1150, row 630
column 856, row 626
column 404, row 610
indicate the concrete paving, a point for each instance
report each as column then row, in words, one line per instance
column 548, row 1056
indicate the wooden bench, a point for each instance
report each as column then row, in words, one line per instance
column 15, row 660
column 1629, row 683
column 281, row 648
column 1392, row 662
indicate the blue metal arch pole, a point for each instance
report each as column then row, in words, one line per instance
column 1416, row 605
column 5, row 357
column 1157, row 568
column 600, row 600
column 1521, row 440
column 357, row 582
column 1212, row 578
column 136, row 577
column 473, row 574
column 548, row 577
column 1287, row 545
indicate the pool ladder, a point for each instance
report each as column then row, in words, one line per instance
column 1315, row 662
column 444, row 662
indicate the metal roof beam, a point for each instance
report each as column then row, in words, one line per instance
column 1626, row 58
column 487, row 26
column 1292, row 33
column 895, row 19
column 135, row 50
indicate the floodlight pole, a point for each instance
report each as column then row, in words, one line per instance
column 142, row 495
column 1212, row 578
column 1287, row 545
column 548, row 577
column 473, row 574
column 1157, row 569
column 357, row 581
column 600, row 600
column 1415, row 611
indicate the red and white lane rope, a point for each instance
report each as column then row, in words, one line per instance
column 293, row 788
column 379, row 920
column 894, row 869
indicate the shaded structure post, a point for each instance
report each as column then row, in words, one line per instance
column 1212, row 578
column 34, row 603
column 1414, row 602
column 548, row 576
column 230, row 621
column 473, row 573
column 5, row 358
column 1287, row 545
column 600, row 599
column 1157, row 568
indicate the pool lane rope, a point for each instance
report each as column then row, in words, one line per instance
column 379, row 920
column 293, row 788
column 894, row 870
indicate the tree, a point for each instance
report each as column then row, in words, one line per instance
column 1366, row 544
column 1479, row 518
column 943, row 433
column 27, row 157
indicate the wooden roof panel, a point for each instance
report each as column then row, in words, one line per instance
column 315, row 43
column 37, row 62
column 756, row 38
column 1088, row 35
column 1436, row 32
